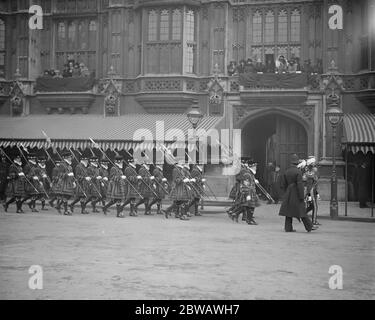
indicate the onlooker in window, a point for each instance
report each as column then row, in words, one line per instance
column 84, row 70
column 307, row 68
column 66, row 73
column 57, row 74
column 70, row 67
column 292, row 67
column 281, row 64
column 231, row 68
column 249, row 66
column 241, row 67
column 76, row 71
column 46, row 74
column 270, row 66
column 259, row 66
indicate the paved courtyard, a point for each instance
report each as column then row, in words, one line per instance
column 208, row 257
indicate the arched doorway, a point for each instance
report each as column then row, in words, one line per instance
column 272, row 138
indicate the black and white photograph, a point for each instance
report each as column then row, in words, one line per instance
column 191, row 153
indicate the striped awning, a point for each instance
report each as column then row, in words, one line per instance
column 132, row 131
column 359, row 132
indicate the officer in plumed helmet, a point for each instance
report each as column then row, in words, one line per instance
column 293, row 205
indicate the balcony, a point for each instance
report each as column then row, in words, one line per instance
column 65, row 95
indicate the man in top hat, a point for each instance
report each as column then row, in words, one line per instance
column 67, row 182
column 310, row 177
column 81, row 192
column 146, row 187
column 103, row 172
column 117, row 189
column 4, row 169
column 180, row 192
column 133, row 181
column 197, row 181
column 16, row 184
column 161, row 187
column 293, row 205
column 187, row 175
column 94, row 194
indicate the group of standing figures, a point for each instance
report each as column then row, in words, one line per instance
column 93, row 182
column 299, row 183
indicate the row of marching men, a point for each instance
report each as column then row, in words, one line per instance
column 92, row 182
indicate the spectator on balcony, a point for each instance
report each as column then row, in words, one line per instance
column 298, row 64
column 259, row 66
column 318, row 67
column 57, row 74
column 84, row 70
column 270, row 66
column 249, row 66
column 70, row 68
column 241, row 67
column 231, row 68
column 307, row 68
column 76, row 73
column 52, row 73
column 65, row 72
column 292, row 66
column 281, row 64
column 46, row 74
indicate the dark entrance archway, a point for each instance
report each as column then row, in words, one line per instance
column 272, row 138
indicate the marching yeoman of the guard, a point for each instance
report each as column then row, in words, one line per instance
column 82, row 188
column 16, row 184
column 180, row 192
column 67, row 181
column 103, row 172
column 293, row 205
column 116, row 191
column 161, row 187
column 94, row 192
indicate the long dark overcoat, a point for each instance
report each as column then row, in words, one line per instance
column 293, row 204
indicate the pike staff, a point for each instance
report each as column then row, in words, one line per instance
column 105, row 155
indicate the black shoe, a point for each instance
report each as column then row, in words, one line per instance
column 184, row 217
column 198, row 214
column 313, row 229
column 5, row 207
column 20, row 211
column 290, row 230
column 71, row 207
column 252, row 222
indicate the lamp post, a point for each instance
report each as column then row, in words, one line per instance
column 195, row 118
column 334, row 116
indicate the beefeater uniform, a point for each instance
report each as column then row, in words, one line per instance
column 45, row 181
column 180, row 193
column 103, row 172
column 132, row 185
column 235, row 191
column 146, row 187
column 67, row 182
column 248, row 198
column 55, row 186
column 116, row 192
column 35, row 190
column 16, row 187
column 197, row 184
column 94, row 191
column 161, row 188
column 81, row 191
column 4, row 169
